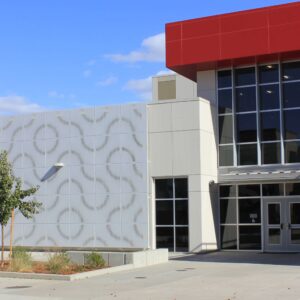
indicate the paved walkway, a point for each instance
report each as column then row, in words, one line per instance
column 217, row 276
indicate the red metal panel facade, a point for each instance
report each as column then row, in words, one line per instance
column 259, row 35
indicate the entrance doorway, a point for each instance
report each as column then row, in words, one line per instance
column 282, row 224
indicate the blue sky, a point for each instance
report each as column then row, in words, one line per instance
column 71, row 53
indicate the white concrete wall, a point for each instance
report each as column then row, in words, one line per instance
column 182, row 143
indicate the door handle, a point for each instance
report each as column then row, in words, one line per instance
column 281, row 226
column 289, row 226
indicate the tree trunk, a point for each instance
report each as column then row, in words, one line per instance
column 2, row 243
column 11, row 233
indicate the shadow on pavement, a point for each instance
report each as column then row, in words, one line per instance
column 287, row 259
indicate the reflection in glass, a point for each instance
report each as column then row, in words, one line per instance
column 228, row 237
column 273, row 189
column 247, row 154
column 270, row 126
column 245, row 99
column 246, row 128
column 269, row 97
column 181, row 188
column 225, row 101
column 292, row 124
column 225, row 156
column 295, row 236
column 249, row 190
column 291, row 92
column 292, row 152
column 225, row 129
column 271, row 153
column 274, row 236
column 268, row 73
column 181, row 212
column 165, row 238
column 250, row 237
column 249, row 211
column 227, row 191
column 292, row 189
column 295, row 213
column 224, row 79
column 274, row 217
column 182, row 239
column 163, row 188
column 164, row 212
column 228, row 211
column 245, row 76
column 291, row 71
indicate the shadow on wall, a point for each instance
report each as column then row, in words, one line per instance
column 235, row 257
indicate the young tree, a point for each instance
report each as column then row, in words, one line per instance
column 12, row 197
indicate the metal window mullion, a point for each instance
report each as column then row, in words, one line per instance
column 237, row 219
column 174, row 216
column 234, row 135
column 259, row 154
column 281, row 113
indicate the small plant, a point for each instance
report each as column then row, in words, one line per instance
column 58, row 263
column 94, row 260
column 21, row 260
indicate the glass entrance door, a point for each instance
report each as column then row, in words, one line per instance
column 282, row 225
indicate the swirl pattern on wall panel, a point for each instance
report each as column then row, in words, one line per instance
column 99, row 198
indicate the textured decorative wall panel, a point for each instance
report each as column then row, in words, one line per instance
column 99, row 198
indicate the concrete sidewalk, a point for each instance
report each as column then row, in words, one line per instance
column 184, row 278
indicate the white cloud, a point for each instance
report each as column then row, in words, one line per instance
column 14, row 104
column 108, row 81
column 152, row 50
column 91, row 62
column 87, row 73
column 55, row 94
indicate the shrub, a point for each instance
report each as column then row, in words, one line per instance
column 59, row 262
column 94, row 260
column 21, row 260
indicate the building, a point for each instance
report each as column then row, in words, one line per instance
column 213, row 162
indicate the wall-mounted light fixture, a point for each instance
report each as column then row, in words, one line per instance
column 59, row 165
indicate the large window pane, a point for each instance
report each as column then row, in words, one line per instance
column 268, row 73
column 271, row 153
column 245, row 99
column 245, row 76
column 225, row 101
column 225, row 156
column 181, row 188
column 182, row 239
column 164, row 212
column 274, row 216
column 295, row 213
column 224, row 79
column 250, row 237
column 270, row 126
column 227, row 191
column 292, row 152
column 165, row 238
column 291, row 71
column 292, row 124
column 291, row 94
column 246, row 128
column 228, row 211
column 249, row 190
column 269, row 97
column 247, row 154
column 228, row 237
column 292, row 189
column 225, row 129
column 163, row 188
column 249, row 210
column 273, row 189
column 181, row 212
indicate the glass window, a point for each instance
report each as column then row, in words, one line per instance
column 273, row 189
column 228, row 237
column 274, row 236
column 291, row 71
column 181, row 188
column 271, row 153
column 270, row 126
column 245, row 76
column 227, row 191
column 164, row 212
column 225, row 129
column 225, row 101
column 228, row 211
column 295, row 213
column 165, row 238
column 224, row 79
column 250, row 237
column 292, row 152
column 295, row 236
column 269, row 97
column 291, row 94
column 249, row 210
column 225, row 156
column 292, row 189
column 247, row 154
column 249, row 190
column 274, row 217
column 268, row 73
column 246, row 128
column 292, row 124
column 245, row 99
column 163, row 188
column 182, row 239
column 181, row 212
